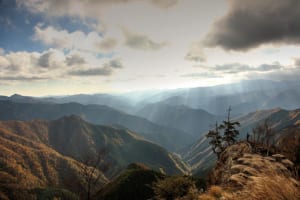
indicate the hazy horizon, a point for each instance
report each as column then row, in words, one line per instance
column 158, row 90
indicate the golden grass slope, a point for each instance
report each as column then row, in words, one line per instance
column 241, row 174
column 26, row 163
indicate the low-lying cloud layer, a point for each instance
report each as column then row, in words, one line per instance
column 261, row 71
column 251, row 23
column 234, row 68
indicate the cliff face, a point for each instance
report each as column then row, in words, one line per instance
column 242, row 174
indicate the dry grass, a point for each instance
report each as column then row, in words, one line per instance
column 216, row 192
column 3, row 196
column 261, row 188
column 253, row 177
column 206, row 197
column 272, row 188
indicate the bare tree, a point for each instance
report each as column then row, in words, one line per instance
column 263, row 134
column 92, row 172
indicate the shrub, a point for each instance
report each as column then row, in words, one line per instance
column 173, row 187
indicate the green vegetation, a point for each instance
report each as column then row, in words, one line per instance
column 223, row 135
column 173, row 187
column 230, row 130
column 216, row 140
column 133, row 184
column 138, row 182
column 54, row 193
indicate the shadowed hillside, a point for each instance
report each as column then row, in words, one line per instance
column 42, row 154
column 170, row 138
column 73, row 137
column 135, row 183
column 192, row 121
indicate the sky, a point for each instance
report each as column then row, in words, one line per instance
column 62, row 47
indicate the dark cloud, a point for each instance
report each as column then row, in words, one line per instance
column 75, row 60
column 44, row 60
column 250, row 23
column 141, row 42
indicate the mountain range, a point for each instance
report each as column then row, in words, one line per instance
column 45, row 141
column 171, row 138
column 244, row 97
column 190, row 120
column 41, row 153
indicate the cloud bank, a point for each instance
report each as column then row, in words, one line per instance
column 52, row 64
column 78, row 40
column 81, row 8
column 251, row 23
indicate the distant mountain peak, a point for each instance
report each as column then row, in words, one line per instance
column 16, row 95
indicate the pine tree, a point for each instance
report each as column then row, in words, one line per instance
column 216, row 140
column 220, row 141
column 230, row 130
